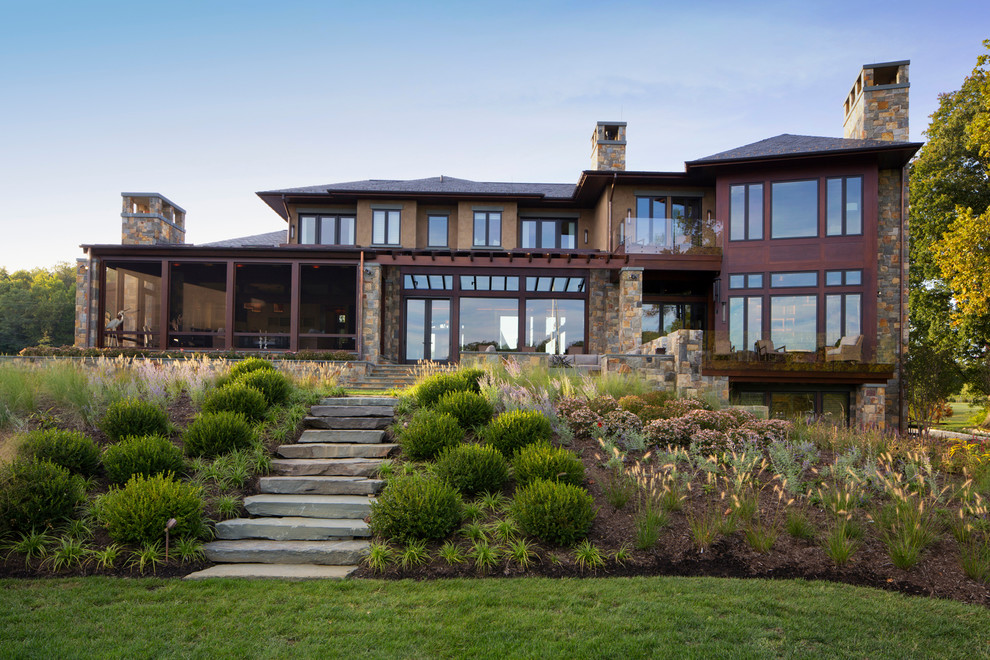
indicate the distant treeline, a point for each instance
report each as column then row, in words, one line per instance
column 37, row 307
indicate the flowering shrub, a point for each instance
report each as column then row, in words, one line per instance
column 673, row 431
column 618, row 423
column 714, row 420
column 582, row 421
column 603, row 404
column 632, row 403
column 770, row 430
column 710, row 441
column 681, row 407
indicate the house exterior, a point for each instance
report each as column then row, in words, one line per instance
column 788, row 254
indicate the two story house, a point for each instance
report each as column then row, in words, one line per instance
column 789, row 254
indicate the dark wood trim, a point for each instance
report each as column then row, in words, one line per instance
column 294, row 292
column 164, row 295
column 228, row 341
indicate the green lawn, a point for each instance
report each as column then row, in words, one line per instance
column 498, row 618
column 961, row 414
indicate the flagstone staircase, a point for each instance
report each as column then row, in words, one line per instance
column 308, row 522
column 384, row 376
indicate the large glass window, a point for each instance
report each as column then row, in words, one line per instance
column 794, row 322
column 327, row 306
column 554, row 325
column 436, row 231
column 678, row 229
column 385, row 227
column 651, row 221
column 197, row 305
column 746, row 281
column 843, row 277
column 794, row 209
column 489, row 321
column 262, row 301
column 487, row 228
column 326, row 230
column 746, row 212
column 843, row 314
column 745, row 322
column 660, row 319
column 844, row 206
column 548, row 234
column 132, row 315
column 685, row 222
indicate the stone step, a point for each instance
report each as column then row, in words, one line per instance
column 354, row 423
column 319, row 485
column 340, row 467
column 351, row 411
column 292, row 529
column 332, row 450
column 359, row 401
column 274, row 572
column 309, row 506
column 336, row 553
column 342, row 435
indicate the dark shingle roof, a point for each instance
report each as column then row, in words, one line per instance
column 792, row 145
column 271, row 239
column 438, row 185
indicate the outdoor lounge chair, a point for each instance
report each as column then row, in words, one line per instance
column 765, row 350
column 850, row 349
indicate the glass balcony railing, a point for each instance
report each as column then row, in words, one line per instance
column 671, row 236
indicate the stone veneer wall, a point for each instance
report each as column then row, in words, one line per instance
column 151, row 228
column 879, row 112
column 602, row 299
column 630, row 310
column 391, row 313
column 892, row 308
column 870, row 407
column 82, row 303
column 608, row 154
column 371, row 320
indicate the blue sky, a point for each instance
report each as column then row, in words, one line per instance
column 209, row 102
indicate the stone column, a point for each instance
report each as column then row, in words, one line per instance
column 371, row 319
column 598, row 330
column 870, row 406
column 82, row 306
column 630, row 309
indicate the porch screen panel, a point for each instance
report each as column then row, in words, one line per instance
column 197, row 305
column 262, row 301
column 134, row 288
column 327, row 306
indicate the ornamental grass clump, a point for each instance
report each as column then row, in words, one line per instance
column 473, row 468
column 239, row 398
column 72, row 450
column 138, row 512
column 428, row 434
column 429, row 391
column 134, row 417
column 470, row 409
column 515, row 429
column 146, row 455
column 416, row 507
column 541, row 460
column 272, row 384
column 556, row 513
column 37, row 494
column 214, row 434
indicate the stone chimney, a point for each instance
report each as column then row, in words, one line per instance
column 877, row 105
column 608, row 146
column 150, row 219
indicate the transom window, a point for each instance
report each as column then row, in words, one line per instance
column 385, row 227
column 436, row 231
column 746, row 281
column 844, row 206
column 794, row 209
column 487, row 228
column 489, row 283
column 428, row 282
column 326, row 230
column 568, row 284
column 548, row 234
column 785, row 280
column 746, row 212
column 843, row 277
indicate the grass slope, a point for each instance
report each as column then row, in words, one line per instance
column 634, row 617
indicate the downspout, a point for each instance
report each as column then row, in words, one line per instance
column 288, row 220
column 611, row 193
column 89, row 300
column 905, row 266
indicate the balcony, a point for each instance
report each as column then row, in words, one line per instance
column 670, row 236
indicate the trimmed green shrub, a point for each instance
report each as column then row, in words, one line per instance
column 541, row 460
column 432, row 388
column 145, row 455
column 236, row 397
column 473, row 468
column 513, row 430
column 468, row 408
column 74, row 451
column 272, row 384
column 429, row 433
column 37, row 494
column 473, row 375
column 250, row 365
column 134, row 417
column 138, row 512
column 213, row 434
column 416, row 507
column 553, row 512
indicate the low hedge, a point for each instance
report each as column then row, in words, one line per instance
column 37, row 494
column 138, row 512
column 557, row 513
column 428, row 434
column 72, row 450
column 473, row 468
column 145, row 455
column 416, row 507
